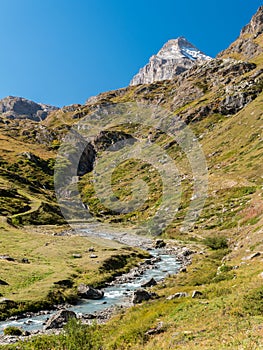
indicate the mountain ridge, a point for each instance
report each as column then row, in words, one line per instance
column 14, row 107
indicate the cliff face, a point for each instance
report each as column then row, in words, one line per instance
column 20, row 108
column 249, row 43
column 175, row 57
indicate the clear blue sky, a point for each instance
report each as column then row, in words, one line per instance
column 63, row 51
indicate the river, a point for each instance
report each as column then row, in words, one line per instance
column 119, row 292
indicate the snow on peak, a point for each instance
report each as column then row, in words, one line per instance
column 181, row 48
column 176, row 56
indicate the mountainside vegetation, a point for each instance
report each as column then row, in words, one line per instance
column 222, row 102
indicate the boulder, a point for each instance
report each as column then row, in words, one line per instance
column 141, row 295
column 177, row 295
column 252, row 256
column 157, row 330
column 159, row 243
column 67, row 283
column 3, row 283
column 59, row 319
column 76, row 256
column 9, row 303
column 87, row 292
column 25, row 261
column 150, row 283
column 196, row 294
column 7, row 257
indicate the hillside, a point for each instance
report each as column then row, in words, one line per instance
column 221, row 101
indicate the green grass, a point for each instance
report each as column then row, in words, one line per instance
column 31, row 286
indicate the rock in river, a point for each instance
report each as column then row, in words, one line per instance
column 59, row 319
column 88, row 292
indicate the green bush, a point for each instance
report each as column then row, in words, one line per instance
column 253, row 302
column 11, row 330
column 216, row 243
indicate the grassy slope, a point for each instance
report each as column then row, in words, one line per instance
column 229, row 315
column 51, row 259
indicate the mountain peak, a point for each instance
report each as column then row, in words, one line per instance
column 176, row 56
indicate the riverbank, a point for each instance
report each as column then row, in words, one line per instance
column 180, row 254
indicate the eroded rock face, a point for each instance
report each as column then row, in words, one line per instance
column 175, row 57
column 255, row 26
column 20, row 108
column 246, row 46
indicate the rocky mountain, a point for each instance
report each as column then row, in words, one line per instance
column 221, row 101
column 20, row 108
column 249, row 44
column 176, row 56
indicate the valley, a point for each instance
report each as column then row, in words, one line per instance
column 42, row 242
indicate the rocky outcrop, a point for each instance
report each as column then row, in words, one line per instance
column 159, row 243
column 21, row 108
column 112, row 140
column 59, row 319
column 175, row 57
column 246, row 46
column 255, row 26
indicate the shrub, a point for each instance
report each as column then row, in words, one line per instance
column 11, row 330
column 253, row 302
column 216, row 243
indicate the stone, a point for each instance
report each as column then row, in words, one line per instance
column 67, row 283
column 140, row 295
column 150, row 283
column 177, row 295
column 196, row 294
column 252, row 256
column 76, row 256
column 3, row 283
column 59, row 319
column 88, row 292
column 7, row 257
column 187, row 252
column 157, row 330
column 8, row 302
column 93, row 256
column 159, row 243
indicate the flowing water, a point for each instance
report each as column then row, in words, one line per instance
column 114, row 295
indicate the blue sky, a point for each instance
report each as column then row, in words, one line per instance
column 63, row 51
